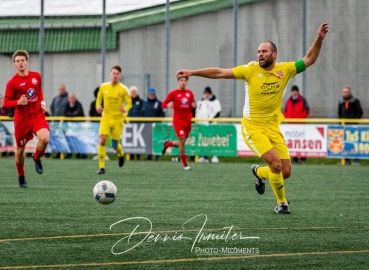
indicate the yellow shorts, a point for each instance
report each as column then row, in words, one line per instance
column 111, row 126
column 261, row 137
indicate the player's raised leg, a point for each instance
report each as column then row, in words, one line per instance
column 276, row 180
column 43, row 139
column 120, row 152
column 116, row 134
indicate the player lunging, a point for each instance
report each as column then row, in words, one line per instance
column 182, row 102
column 265, row 82
column 24, row 92
column 117, row 102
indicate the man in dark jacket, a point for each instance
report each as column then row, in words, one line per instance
column 296, row 107
column 137, row 102
column 59, row 102
column 136, row 110
column 73, row 109
column 152, row 108
column 349, row 107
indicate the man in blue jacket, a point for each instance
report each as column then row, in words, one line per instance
column 152, row 108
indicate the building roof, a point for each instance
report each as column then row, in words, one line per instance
column 82, row 32
column 16, row 8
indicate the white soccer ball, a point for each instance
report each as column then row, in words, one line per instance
column 105, row 192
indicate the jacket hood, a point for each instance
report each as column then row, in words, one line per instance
column 349, row 98
column 212, row 98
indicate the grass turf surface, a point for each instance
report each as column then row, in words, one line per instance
column 56, row 224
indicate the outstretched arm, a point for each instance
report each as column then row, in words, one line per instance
column 211, row 73
column 314, row 50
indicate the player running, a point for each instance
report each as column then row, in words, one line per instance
column 265, row 82
column 113, row 95
column 24, row 92
column 182, row 102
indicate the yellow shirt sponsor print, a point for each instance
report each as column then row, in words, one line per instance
column 264, row 90
column 112, row 97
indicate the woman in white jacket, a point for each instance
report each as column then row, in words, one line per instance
column 208, row 107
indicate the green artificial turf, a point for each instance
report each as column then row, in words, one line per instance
column 56, row 224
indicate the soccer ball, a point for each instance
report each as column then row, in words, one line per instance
column 105, row 192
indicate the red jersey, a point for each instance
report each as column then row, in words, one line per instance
column 182, row 101
column 30, row 86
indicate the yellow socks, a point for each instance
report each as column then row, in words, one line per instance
column 101, row 153
column 277, row 183
column 119, row 150
column 263, row 172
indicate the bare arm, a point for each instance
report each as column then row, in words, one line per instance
column 211, row 73
column 314, row 50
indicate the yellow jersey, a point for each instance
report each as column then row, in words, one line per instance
column 113, row 97
column 264, row 90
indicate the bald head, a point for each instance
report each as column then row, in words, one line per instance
column 72, row 98
column 267, row 54
column 346, row 91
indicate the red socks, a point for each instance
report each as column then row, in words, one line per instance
column 169, row 144
column 38, row 154
column 20, row 168
column 184, row 160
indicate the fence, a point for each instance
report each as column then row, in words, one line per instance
column 321, row 138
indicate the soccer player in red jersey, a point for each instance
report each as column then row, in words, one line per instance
column 182, row 102
column 24, row 92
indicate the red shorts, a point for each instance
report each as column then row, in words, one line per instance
column 182, row 128
column 24, row 129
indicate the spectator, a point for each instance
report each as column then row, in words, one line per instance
column 136, row 110
column 349, row 107
column 74, row 109
column 5, row 112
column 152, row 108
column 59, row 102
column 92, row 111
column 208, row 107
column 296, row 107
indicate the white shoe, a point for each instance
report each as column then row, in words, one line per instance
column 186, row 168
column 202, row 159
column 215, row 159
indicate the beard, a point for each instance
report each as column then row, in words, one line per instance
column 267, row 62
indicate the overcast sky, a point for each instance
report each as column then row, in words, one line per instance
column 72, row 7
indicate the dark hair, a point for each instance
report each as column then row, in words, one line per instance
column 182, row 77
column 20, row 53
column 274, row 47
column 117, row 68
column 96, row 91
column 294, row 88
column 208, row 90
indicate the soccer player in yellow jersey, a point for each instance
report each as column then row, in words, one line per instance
column 113, row 101
column 265, row 82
